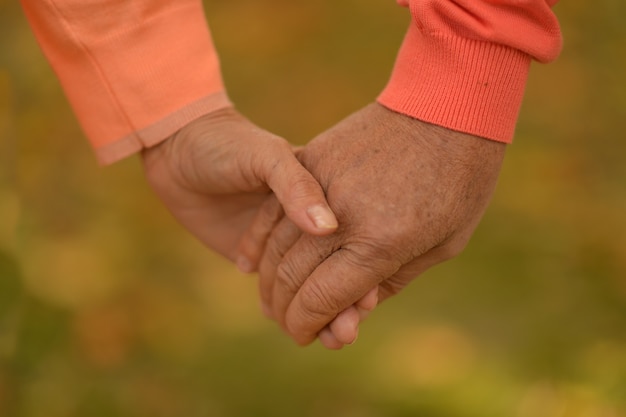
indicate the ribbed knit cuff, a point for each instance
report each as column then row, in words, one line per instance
column 462, row 84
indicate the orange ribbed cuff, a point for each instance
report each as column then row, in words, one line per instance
column 462, row 84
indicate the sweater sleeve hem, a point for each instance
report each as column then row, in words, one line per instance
column 129, row 68
column 463, row 84
column 157, row 132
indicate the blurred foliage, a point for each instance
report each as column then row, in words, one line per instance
column 107, row 307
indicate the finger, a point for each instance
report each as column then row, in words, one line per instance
column 398, row 281
column 338, row 282
column 296, row 264
column 369, row 301
column 300, row 194
column 252, row 244
column 328, row 340
column 345, row 327
column 284, row 235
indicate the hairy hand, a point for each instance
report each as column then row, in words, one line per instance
column 214, row 173
column 407, row 194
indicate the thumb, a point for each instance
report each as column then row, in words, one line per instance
column 301, row 196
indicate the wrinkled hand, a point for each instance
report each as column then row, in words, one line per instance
column 214, row 173
column 407, row 194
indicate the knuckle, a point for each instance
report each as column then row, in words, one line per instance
column 271, row 211
column 286, row 277
column 302, row 188
column 273, row 254
column 269, row 263
column 317, row 302
column 283, row 236
column 372, row 251
column 376, row 256
column 304, row 323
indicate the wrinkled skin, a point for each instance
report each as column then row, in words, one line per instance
column 214, row 174
column 407, row 195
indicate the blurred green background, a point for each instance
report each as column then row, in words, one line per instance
column 108, row 308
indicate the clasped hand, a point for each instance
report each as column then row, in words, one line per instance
column 405, row 195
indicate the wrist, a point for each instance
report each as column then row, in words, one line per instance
column 158, row 166
column 176, row 156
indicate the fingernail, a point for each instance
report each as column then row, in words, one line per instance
column 322, row 217
column 244, row 265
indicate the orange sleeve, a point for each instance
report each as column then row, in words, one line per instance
column 464, row 63
column 133, row 71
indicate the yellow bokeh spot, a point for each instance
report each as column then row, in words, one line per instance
column 69, row 272
column 427, row 356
